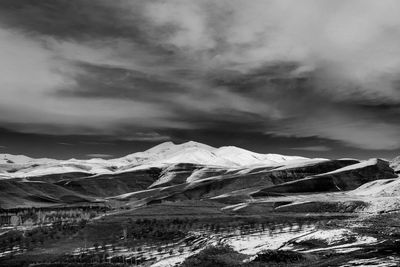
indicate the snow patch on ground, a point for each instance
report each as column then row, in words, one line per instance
column 374, row 262
column 255, row 243
column 171, row 261
column 370, row 162
column 329, row 236
column 341, row 240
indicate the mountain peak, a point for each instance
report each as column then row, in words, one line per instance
column 166, row 146
column 163, row 145
column 9, row 158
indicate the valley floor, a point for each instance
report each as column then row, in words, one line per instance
column 165, row 235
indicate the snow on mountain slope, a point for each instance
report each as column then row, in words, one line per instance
column 161, row 155
column 14, row 159
column 160, row 152
column 197, row 153
column 299, row 163
column 395, row 164
column 363, row 164
column 58, row 168
column 171, row 148
column 197, row 156
column 342, row 179
column 243, row 157
column 47, row 170
column 379, row 188
column 382, row 195
column 22, row 166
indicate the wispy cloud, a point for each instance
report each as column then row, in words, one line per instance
column 312, row 148
column 65, row 144
column 149, row 136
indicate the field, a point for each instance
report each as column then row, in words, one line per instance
column 167, row 234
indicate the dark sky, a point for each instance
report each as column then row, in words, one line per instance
column 105, row 78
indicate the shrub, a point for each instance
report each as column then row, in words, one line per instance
column 279, row 256
column 215, row 256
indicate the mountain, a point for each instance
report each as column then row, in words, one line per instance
column 161, row 155
column 346, row 178
column 236, row 179
column 197, row 153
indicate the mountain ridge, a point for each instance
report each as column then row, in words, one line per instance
column 172, row 172
column 162, row 154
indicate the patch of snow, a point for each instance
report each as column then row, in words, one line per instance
column 374, row 262
column 254, row 243
column 171, row 261
column 333, row 238
column 363, row 164
column 384, row 187
column 291, row 164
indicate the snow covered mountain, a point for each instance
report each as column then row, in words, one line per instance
column 197, row 153
column 188, row 171
column 163, row 154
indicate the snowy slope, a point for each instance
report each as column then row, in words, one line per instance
column 197, row 153
column 161, row 152
column 15, row 159
column 161, row 155
column 197, row 156
column 244, row 157
column 61, row 167
column 379, row 188
column 21, row 166
column 363, row 164
column 395, row 164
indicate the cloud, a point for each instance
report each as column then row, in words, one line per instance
column 350, row 51
column 32, row 74
column 150, row 136
column 353, row 129
column 312, row 148
column 348, row 57
column 65, row 144
column 311, row 68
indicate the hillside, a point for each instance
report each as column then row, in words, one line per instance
column 190, row 171
column 169, row 202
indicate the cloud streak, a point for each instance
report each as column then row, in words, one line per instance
column 312, row 148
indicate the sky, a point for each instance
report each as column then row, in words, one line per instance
column 88, row 78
